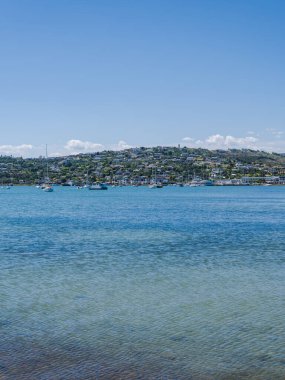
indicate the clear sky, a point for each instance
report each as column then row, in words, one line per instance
column 92, row 74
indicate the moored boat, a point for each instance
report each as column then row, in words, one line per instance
column 155, row 185
column 47, row 188
column 98, row 186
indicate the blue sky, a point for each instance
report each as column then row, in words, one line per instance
column 93, row 74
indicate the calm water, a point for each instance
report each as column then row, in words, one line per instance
column 138, row 283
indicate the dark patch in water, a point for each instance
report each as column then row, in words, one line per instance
column 177, row 338
column 60, row 362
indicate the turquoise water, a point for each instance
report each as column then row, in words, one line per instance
column 138, row 283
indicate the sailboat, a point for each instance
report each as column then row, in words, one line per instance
column 46, row 186
column 155, row 184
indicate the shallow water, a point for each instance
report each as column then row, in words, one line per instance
column 138, row 283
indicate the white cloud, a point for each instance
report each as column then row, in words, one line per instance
column 79, row 146
column 121, row 145
column 215, row 141
column 252, row 133
column 277, row 146
column 16, row 150
column 188, row 139
column 228, row 142
column 218, row 141
column 75, row 146
column 275, row 132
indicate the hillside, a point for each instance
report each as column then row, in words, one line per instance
column 139, row 165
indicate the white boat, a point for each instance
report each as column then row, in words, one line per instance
column 98, row 186
column 197, row 182
column 48, row 189
column 155, row 186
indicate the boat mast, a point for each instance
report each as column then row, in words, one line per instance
column 47, row 165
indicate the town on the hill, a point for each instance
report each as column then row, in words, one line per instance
column 144, row 165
